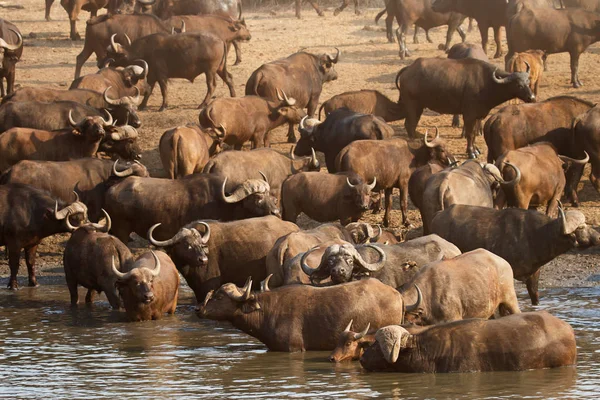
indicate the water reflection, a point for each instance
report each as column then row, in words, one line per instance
column 48, row 349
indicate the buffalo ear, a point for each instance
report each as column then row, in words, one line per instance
column 76, row 132
column 250, row 306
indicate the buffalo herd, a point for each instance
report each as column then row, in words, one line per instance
column 226, row 219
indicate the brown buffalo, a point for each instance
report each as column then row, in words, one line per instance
column 326, row 197
column 11, row 49
column 418, row 181
column 128, row 81
column 249, row 118
column 365, row 102
column 148, row 289
column 526, row 239
column 533, row 59
column 473, row 345
column 391, row 162
column 351, row 344
column 585, row 132
column 283, row 322
column 185, row 150
column 309, row 72
column 228, row 8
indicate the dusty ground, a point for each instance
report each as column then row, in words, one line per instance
column 367, row 61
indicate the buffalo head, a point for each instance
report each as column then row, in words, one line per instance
column 255, row 197
column 516, row 83
column 326, row 64
column 358, row 194
column 240, row 29
column 437, row 149
column 308, row 129
column 188, row 247
column 342, row 263
column 350, row 344
column 119, row 52
column 124, row 109
column 308, row 163
column 76, row 210
column 362, row 232
column 135, row 72
column 573, row 227
column 8, row 52
column 228, row 300
column 125, row 169
column 139, row 282
column 389, row 342
column 122, row 142
column 288, row 109
column 91, row 128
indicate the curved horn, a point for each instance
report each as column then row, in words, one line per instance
column 156, row 269
column 110, row 118
column 302, row 122
column 120, row 275
column 499, row 80
column 264, row 285
column 121, row 174
column 288, row 100
column 432, row 143
column 113, row 44
column 372, row 185
column 528, row 66
column 574, row 161
column 563, row 218
column 144, row 73
column 375, row 266
column 360, row 335
column 164, row 243
column 108, row 99
column 414, row 307
column 105, row 227
column 12, row 47
column 517, row 178
column 238, row 194
column 182, row 26
column 71, row 120
column 314, row 161
column 62, row 214
column 337, row 56
column 292, row 156
column 376, row 237
column 128, row 40
column 305, row 267
column 69, row 226
column 264, row 176
column 247, row 289
column 206, row 235
column 349, row 184
column 349, row 326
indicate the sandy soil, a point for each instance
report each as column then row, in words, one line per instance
column 367, row 61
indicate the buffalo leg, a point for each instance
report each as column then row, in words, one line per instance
column 427, row 36
column 388, row 206
column 532, row 287
column 483, row 31
column 228, row 79
column 470, row 135
column 404, row 203
column 415, row 37
column 461, row 33
column 498, row 42
column 389, row 28
column 238, row 52
column 113, row 298
column 341, row 8
column 2, row 93
column 82, row 58
column 456, row 121
column 401, row 35
column 162, row 84
column 89, row 296
column 48, row 6
column 147, row 95
column 210, row 89
column 412, row 120
column 10, row 82
column 356, row 10
column 30, row 256
column 575, row 71
column 14, row 257
column 72, row 285
column 574, row 174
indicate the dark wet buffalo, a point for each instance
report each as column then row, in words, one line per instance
column 516, row 126
column 11, row 49
column 301, row 317
column 149, row 286
column 340, row 128
column 468, row 87
column 393, row 265
column 526, row 239
column 28, row 215
column 554, row 31
column 88, row 258
column 90, row 177
column 477, row 284
column 391, row 162
column 326, row 197
column 301, row 76
column 185, row 150
column 209, row 254
column 249, row 118
column 135, row 204
column 365, row 102
column 205, row 54
column 276, row 166
column 473, row 345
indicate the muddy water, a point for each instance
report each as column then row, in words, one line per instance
column 48, row 350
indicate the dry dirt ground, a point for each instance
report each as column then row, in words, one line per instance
column 367, row 61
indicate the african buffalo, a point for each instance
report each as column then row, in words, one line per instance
column 393, row 265
column 351, row 344
column 128, row 81
column 543, row 178
column 418, row 181
column 526, row 239
column 477, row 284
column 365, row 102
column 148, row 289
column 309, row 72
column 588, row 5
column 326, row 197
column 391, row 162
column 585, row 132
column 211, row 253
column 90, row 177
column 340, row 128
column 533, row 59
column 516, row 126
column 87, row 261
column 185, row 150
column 468, row 87
column 249, row 118
column 205, row 54
column 283, row 322
column 11, row 49
column 554, row 31
column 474, row 344
column 167, row 8
column 28, row 215
column 273, row 164
column 136, row 204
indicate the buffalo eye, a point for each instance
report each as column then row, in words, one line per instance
column 189, row 247
column 348, row 344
